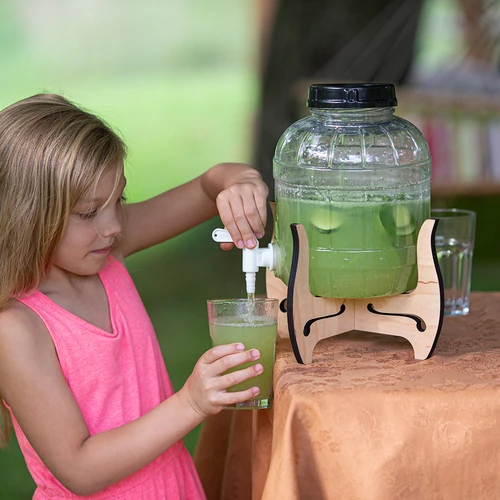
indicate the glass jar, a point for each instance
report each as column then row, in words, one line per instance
column 357, row 178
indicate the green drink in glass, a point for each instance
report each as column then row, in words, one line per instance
column 253, row 323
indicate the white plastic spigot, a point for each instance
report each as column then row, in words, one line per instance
column 253, row 258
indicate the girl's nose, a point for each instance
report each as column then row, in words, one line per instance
column 110, row 226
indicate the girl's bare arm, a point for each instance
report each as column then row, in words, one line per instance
column 236, row 191
column 32, row 383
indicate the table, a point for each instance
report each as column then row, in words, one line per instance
column 366, row 421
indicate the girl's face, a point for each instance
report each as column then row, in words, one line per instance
column 93, row 226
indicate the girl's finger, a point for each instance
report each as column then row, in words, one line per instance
column 231, row 398
column 252, row 214
column 239, row 218
column 238, row 376
column 261, row 204
column 219, row 351
column 230, row 361
column 226, row 214
column 226, row 246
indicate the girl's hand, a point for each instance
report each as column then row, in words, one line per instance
column 241, row 201
column 205, row 389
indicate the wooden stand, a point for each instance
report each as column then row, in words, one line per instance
column 417, row 316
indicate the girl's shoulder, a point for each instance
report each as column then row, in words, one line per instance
column 26, row 349
column 16, row 314
column 21, row 328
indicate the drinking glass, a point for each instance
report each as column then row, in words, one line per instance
column 253, row 323
column 454, row 241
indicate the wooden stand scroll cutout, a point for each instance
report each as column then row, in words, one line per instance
column 416, row 316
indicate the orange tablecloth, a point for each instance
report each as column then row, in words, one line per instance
column 366, row 421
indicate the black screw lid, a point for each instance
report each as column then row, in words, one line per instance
column 352, row 95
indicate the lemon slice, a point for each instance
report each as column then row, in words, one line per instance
column 403, row 221
column 397, row 220
column 326, row 221
column 402, row 216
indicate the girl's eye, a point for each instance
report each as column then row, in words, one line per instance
column 87, row 215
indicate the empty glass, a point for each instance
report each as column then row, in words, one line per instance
column 454, row 240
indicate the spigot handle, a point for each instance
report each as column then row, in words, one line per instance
column 221, row 236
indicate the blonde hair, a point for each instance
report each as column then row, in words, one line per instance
column 51, row 154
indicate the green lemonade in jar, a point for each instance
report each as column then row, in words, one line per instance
column 364, row 249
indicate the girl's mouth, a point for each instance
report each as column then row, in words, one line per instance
column 104, row 250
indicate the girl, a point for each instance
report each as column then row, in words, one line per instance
column 81, row 373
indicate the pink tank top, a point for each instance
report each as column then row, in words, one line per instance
column 115, row 377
